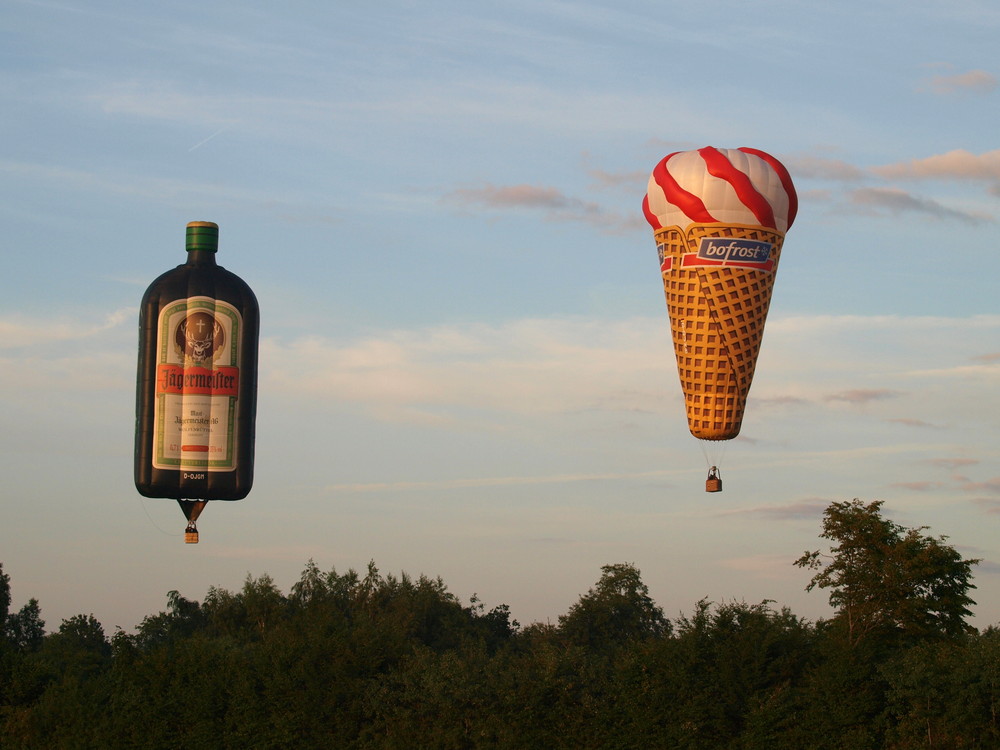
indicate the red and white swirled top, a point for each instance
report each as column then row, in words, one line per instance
column 723, row 186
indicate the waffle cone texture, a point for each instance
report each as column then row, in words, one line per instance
column 717, row 316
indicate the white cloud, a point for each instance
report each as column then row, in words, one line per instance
column 953, row 165
column 528, row 367
column 21, row 332
column 536, row 379
column 850, row 381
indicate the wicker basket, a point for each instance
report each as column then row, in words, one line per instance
column 714, row 481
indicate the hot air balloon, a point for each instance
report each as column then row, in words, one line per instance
column 719, row 217
column 196, row 389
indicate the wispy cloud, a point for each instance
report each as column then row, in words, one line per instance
column 851, row 325
column 821, row 168
column 552, row 203
column 889, row 199
column 873, row 200
column 862, row 395
column 951, row 463
column 17, row 332
column 975, row 81
column 783, row 400
column 910, row 422
column 987, row 371
column 809, row 509
column 895, row 201
column 120, row 185
column 525, row 366
column 953, row 165
column 493, row 376
column 630, row 180
column 988, row 566
column 925, row 486
column 988, row 505
column 990, row 486
column 520, row 196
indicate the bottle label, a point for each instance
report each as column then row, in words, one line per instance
column 198, row 344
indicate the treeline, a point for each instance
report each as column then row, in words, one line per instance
column 346, row 660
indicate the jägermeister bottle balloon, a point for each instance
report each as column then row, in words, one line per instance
column 196, row 394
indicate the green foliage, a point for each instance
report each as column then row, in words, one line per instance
column 4, row 597
column 26, row 629
column 729, row 678
column 947, row 694
column 889, row 582
column 366, row 660
column 617, row 610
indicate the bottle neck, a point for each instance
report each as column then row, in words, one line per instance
column 201, row 257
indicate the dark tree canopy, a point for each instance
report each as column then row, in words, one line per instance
column 886, row 580
column 4, row 597
column 364, row 660
column 616, row 610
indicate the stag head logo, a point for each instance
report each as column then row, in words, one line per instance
column 200, row 337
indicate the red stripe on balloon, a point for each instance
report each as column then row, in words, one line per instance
column 719, row 166
column 786, row 180
column 650, row 216
column 687, row 202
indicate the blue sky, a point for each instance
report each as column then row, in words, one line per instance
column 466, row 367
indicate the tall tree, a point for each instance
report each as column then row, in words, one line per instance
column 4, row 597
column 26, row 629
column 618, row 609
column 886, row 580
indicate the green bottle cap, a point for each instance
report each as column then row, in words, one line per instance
column 203, row 235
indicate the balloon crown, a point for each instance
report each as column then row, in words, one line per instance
column 720, row 186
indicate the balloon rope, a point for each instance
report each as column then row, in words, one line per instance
column 714, row 452
column 722, row 451
column 155, row 525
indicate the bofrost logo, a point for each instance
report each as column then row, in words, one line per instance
column 200, row 337
column 731, row 251
column 734, row 250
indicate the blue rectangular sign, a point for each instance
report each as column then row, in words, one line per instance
column 734, row 250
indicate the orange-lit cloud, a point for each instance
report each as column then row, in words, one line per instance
column 990, row 486
column 971, row 81
column 955, row 165
column 988, row 358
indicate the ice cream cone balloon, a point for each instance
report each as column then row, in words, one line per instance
column 719, row 217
